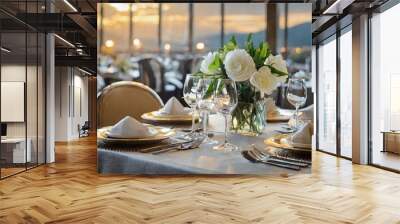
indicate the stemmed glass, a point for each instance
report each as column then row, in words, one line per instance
column 191, row 97
column 225, row 100
column 297, row 96
column 206, row 104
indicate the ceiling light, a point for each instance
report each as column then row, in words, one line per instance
column 200, row 46
column 84, row 71
column 65, row 41
column 337, row 7
column 5, row 50
column 70, row 5
column 109, row 43
column 167, row 47
column 137, row 43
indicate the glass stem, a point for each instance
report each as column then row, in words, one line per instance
column 193, row 119
column 297, row 118
column 205, row 123
column 226, row 129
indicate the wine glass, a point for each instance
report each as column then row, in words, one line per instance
column 206, row 103
column 225, row 100
column 191, row 97
column 296, row 95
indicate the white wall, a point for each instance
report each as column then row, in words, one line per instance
column 71, row 102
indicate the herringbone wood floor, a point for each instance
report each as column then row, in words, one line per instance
column 70, row 191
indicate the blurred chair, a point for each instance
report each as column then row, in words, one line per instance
column 152, row 74
column 125, row 98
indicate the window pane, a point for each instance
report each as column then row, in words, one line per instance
column 175, row 27
column 327, row 97
column 115, row 28
column 346, row 94
column 385, row 84
column 13, row 83
column 206, row 26
column 145, row 27
column 244, row 18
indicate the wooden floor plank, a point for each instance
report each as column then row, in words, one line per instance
column 71, row 191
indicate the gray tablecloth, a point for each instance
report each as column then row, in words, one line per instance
column 204, row 160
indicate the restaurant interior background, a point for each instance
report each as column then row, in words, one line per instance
column 159, row 44
column 179, row 35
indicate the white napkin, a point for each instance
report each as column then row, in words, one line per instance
column 305, row 115
column 174, row 107
column 271, row 107
column 302, row 138
column 129, row 127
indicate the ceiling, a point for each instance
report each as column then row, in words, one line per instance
column 76, row 20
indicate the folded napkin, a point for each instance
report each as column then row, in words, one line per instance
column 174, row 107
column 129, row 127
column 305, row 115
column 302, row 137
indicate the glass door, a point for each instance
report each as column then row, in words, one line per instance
column 346, row 92
column 385, row 90
column 22, row 77
column 326, row 95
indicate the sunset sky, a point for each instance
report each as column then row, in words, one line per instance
column 239, row 18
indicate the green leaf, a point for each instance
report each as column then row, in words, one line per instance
column 276, row 71
column 249, row 45
column 263, row 50
column 233, row 40
column 215, row 64
column 211, row 88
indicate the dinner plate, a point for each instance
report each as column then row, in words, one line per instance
column 156, row 117
column 161, row 134
column 280, row 115
column 282, row 141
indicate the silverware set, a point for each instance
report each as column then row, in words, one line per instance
column 257, row 156
column 179, row 146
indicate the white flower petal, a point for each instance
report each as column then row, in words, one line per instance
column 239, row 65
column 265, row 81
column 277, row 62
column 205, row 64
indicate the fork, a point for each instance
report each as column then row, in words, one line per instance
column 272, row 159
column 184, row 146
column 298, row 162
column 253, row 158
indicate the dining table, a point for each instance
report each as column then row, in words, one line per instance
column 201, row 160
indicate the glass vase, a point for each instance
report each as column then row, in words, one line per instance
column 249, row 118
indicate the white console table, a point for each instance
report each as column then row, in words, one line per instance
column 16, row 147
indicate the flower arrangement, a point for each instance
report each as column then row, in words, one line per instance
column 256, row 72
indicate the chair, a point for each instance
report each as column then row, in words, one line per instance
column 84, row 129
column 152, row 74
column 125, row 98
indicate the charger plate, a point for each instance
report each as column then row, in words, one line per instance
column 277, row 118
column 282, row 141
column 156, row 117
column 280, row 115
column 161, row 134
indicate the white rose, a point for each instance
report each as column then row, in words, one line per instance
column 205, row 64
column 277, row 62
column 265, row 81
column 239, row 65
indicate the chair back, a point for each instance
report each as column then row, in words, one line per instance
column 152, row 74
column 125, row 98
